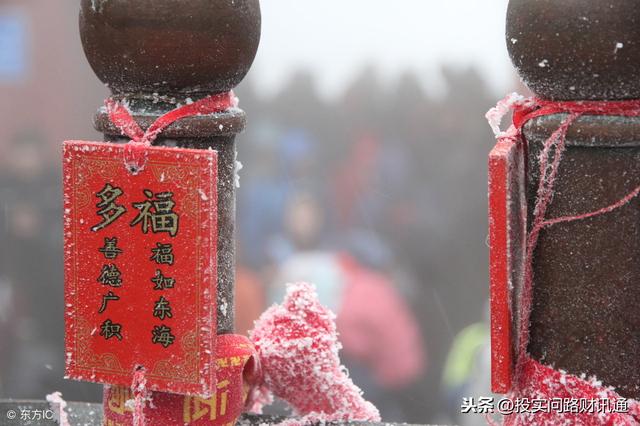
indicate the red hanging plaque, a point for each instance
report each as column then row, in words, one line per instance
column 140, row 266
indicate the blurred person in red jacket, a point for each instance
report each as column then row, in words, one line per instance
column 382, row 344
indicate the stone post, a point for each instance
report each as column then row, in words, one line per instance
column 585, row 314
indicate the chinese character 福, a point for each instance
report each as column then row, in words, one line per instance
column 162, row 218
column 162, row 254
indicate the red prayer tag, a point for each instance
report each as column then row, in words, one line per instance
column 140, row 266
column 507, row 247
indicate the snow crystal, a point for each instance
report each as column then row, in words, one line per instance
column 544, row 63
column 140, row 396
column 130, row 404
column 59, row 406
column 96, row 5
column 495, row 115
column 239, row 166
column 618, row 47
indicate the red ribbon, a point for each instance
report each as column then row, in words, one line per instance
column 135, row 152
column 550, row 160
column 539, row 107
column 237, row 371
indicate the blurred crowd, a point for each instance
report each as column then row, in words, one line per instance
column 379, row 198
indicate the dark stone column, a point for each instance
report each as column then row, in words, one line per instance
column 585, row 316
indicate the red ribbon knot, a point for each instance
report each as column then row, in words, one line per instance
column 135, row 152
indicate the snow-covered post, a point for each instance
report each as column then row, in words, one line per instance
column 565, row 216
column 157, row 56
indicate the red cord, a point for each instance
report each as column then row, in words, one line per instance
column 135, row 151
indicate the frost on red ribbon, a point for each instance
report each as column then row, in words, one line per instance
column 298, row 347
column 602, row 405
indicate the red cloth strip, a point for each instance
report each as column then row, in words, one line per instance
column 538, row 108
column 238, row 370
column 120, row 116
column 556, row 391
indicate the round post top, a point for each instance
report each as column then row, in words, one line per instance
column 576, row 49
column 170, row 46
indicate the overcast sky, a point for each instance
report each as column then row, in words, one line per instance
column 337, row 38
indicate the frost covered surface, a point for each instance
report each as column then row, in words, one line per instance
column 540, row 382
column 298, row 347
column 59, row 406
column 97, row 5
column 238, row 167
column 140, row 397
column 496, row 114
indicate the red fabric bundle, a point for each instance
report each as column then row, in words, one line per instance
column 298, row 346
column 568, row 400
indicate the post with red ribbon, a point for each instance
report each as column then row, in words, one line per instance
column 150, row 212
column 564, row 218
